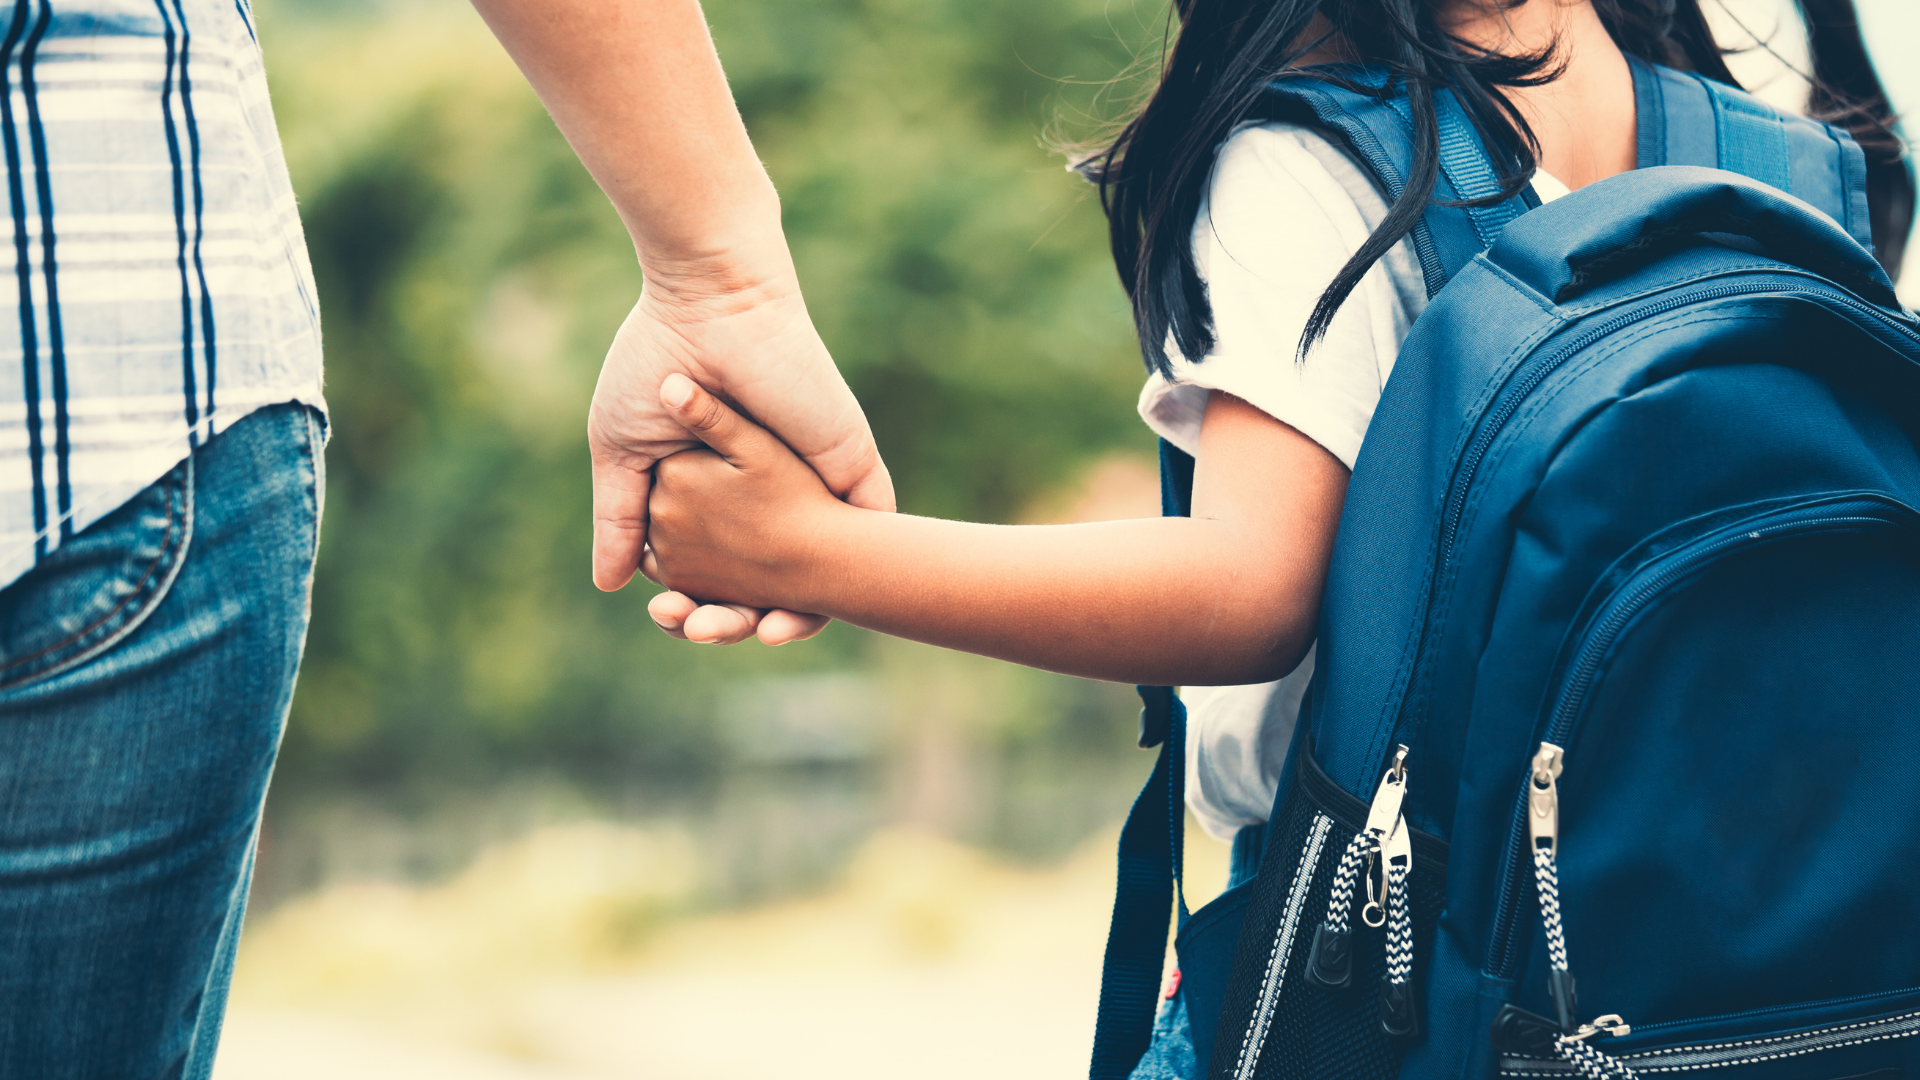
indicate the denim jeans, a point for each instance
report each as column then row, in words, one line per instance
column 145, row 673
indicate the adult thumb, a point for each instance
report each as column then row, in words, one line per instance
column 709, row 419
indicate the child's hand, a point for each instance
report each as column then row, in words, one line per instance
column 736, row 522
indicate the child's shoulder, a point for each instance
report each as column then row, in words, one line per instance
column 1285, row 203
column 1284, row 169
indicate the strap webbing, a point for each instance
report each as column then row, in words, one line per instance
column 1465, row 164
column 1152, row 850
column 1752, row 137
column 1149, row 884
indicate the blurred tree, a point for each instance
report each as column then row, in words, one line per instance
column 471, row 274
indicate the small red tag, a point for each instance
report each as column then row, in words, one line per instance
column 1173, row 985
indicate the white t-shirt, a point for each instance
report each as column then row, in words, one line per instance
column 1284, row 211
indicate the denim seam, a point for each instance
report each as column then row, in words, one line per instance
column 316, row 490
column 180, row 521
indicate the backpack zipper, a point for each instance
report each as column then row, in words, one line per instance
column 1564, row 1037
column 1644, row 585
column 1533, row 1061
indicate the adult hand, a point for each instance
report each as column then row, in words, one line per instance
column 747, row 338
column 637, row 89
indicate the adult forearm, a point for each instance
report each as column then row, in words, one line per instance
column 1165, row 601
column 636, row 87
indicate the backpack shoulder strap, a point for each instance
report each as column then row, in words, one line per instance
column 1364, row 109
column 1152, row 854
column 1688, row 119
column 1683, row 118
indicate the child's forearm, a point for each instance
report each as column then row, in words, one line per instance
column 1166, row 601
column 1230, row 595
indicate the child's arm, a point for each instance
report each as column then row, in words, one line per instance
column 1229, row 595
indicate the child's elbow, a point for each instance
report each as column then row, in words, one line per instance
column 1261, row 654
column 1282, row 661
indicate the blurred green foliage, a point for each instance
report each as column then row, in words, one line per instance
column 471, row 274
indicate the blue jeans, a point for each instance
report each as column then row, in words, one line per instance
column 145, row 673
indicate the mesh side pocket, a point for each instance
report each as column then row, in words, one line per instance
column 1277, row 1025
column 1322, row 1034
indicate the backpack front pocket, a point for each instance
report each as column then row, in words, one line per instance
column 1732, row 834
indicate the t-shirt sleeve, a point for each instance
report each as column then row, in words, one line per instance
column 1284, row 212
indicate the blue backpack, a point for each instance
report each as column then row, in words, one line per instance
column 1619, row 672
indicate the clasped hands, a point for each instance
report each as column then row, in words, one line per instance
column 756, row 345
column 739, row 521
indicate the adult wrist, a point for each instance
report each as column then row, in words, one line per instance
column 745, row 253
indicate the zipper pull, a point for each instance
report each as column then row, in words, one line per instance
column 1382, row 818
column 1519, row 1033
column 1399, row 1014
column 1543, row 827
column 1330, row 964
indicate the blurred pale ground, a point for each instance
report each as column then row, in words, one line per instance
column 517, row 834
column 924, row 958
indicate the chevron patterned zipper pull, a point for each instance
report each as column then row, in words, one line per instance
column 1330, row 964
column 1399, row 1015
column 1543, row 832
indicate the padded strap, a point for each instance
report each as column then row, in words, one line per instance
column 1752, row 137
column 1466, row 168
column 1688, row 119
column 1684, row 119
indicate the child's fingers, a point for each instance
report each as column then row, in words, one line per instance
column 669, row 611
column 721, row 624
column 711, row 421
column 780, row 627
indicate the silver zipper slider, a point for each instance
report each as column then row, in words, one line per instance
column 1610, row 1025
column 1385, row 811
column 1543, row 798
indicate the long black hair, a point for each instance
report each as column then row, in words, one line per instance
column 1153, row 176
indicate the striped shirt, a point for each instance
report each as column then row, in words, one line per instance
column 154, row 283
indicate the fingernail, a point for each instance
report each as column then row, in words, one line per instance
column 676, row 390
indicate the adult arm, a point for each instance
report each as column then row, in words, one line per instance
column 637, row 89
column 1230, row 595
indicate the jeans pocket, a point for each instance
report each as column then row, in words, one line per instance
column 96, row 588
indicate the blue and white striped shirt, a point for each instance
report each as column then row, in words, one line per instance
column 155, row 289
